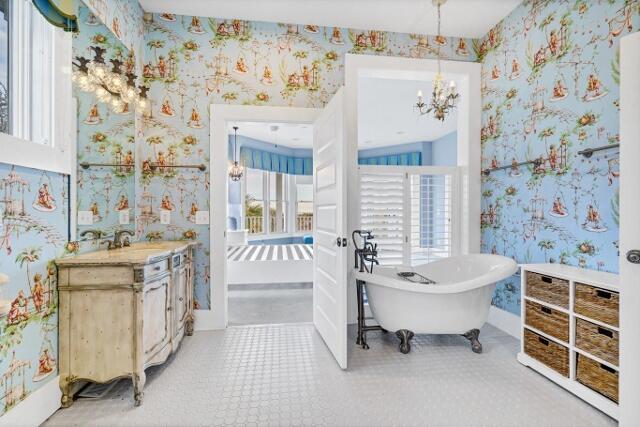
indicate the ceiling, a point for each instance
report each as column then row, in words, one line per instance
column 291, row 135
column 462, row 18
column 386, row 115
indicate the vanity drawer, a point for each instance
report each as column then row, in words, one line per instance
column 547, row 320
column 597, row 303
column 597, row 376
column 548, row 289
column 156, row 268
column 550, row 353
column 597, row 340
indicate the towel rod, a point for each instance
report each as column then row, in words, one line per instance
column 86, row 165
column 488, row 171
column 589, row 151
column 200, row 167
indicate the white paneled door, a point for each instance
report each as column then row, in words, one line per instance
column 330, row 231
column 629, row 230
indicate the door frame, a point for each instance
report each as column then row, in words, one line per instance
column 467, row 75
column 221, row 114
column 629, row 229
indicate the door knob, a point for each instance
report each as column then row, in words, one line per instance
column 633, row 256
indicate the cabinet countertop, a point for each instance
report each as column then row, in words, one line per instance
column 138, row 253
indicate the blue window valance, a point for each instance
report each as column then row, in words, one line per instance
column 59, row 13
column 405, row 159
column 273, row 162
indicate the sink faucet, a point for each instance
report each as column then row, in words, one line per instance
column 118, row 241
column 95, row 234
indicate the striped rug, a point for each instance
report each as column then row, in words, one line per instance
column 270, row 253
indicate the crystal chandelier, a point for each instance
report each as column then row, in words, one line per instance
column 112, row 86
column 236, row 170
column 443, row 97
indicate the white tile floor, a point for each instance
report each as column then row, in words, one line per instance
column 272, row 303
column 282, row 375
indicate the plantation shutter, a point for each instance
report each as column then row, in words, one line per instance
column 381, row 208
column 411, row 211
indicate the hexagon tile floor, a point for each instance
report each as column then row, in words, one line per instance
column 283, row 375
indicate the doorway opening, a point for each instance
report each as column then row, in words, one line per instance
column 408, row 174
column 270, row 223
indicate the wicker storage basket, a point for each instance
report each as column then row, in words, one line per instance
column 597, row 340
column 547, row 320
column 548, row 289
column 598, row 377
column 596, row 303
column 552, row 354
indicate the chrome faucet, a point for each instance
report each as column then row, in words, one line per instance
column 118, row 242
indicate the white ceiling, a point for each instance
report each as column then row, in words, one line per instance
column 463, row 18
column 292, row 135
column 386, row 115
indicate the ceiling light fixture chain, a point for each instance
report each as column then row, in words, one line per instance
column 443, row 99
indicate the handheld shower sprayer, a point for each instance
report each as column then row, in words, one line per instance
column 367, row 253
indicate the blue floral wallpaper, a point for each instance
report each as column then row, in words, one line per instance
column 33, row 231
column 192, row 62
column 122, row 17
column 550, row 88
column 104, row 137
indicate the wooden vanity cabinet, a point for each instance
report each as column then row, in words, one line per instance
column 120, row 316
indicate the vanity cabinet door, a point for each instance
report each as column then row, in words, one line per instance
column 157, row 316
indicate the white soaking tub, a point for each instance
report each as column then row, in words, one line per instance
column 457, row 303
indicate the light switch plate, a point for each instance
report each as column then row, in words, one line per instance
column 165, row 217
column 85, row 218
column 202, row 217
column 123, row 217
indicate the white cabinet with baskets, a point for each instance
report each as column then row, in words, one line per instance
column 570, row 329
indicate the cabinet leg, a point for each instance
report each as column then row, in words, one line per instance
column 65, row 386
column 188, row 328
column 138, row 385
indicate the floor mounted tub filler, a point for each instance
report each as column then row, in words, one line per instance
column 448, row 296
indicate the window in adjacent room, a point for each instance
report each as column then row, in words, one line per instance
column 304, row 203
column 254, row 201
column 277, row 202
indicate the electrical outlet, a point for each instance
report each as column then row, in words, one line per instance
column 165, row 217
column 85, row 218
column 123, row 217
column 202, row 217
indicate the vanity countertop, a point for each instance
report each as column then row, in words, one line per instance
column 137, row 253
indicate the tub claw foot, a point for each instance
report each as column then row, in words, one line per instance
column 362, row 342
column 472, row 336
column 405, row 336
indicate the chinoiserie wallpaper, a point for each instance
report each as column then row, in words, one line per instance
column 33, row 231
column 104, row 137
column 122, row 17
column 192, row 62
column 550, row 89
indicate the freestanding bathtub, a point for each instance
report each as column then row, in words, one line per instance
column 458, row 302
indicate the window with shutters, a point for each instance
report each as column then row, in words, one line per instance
column 411, row 211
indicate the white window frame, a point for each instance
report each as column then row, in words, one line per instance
column 17, row 148
column 266, row 205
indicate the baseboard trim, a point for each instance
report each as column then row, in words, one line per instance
column 36, row 408
column 207, row 320
column 505, row 321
